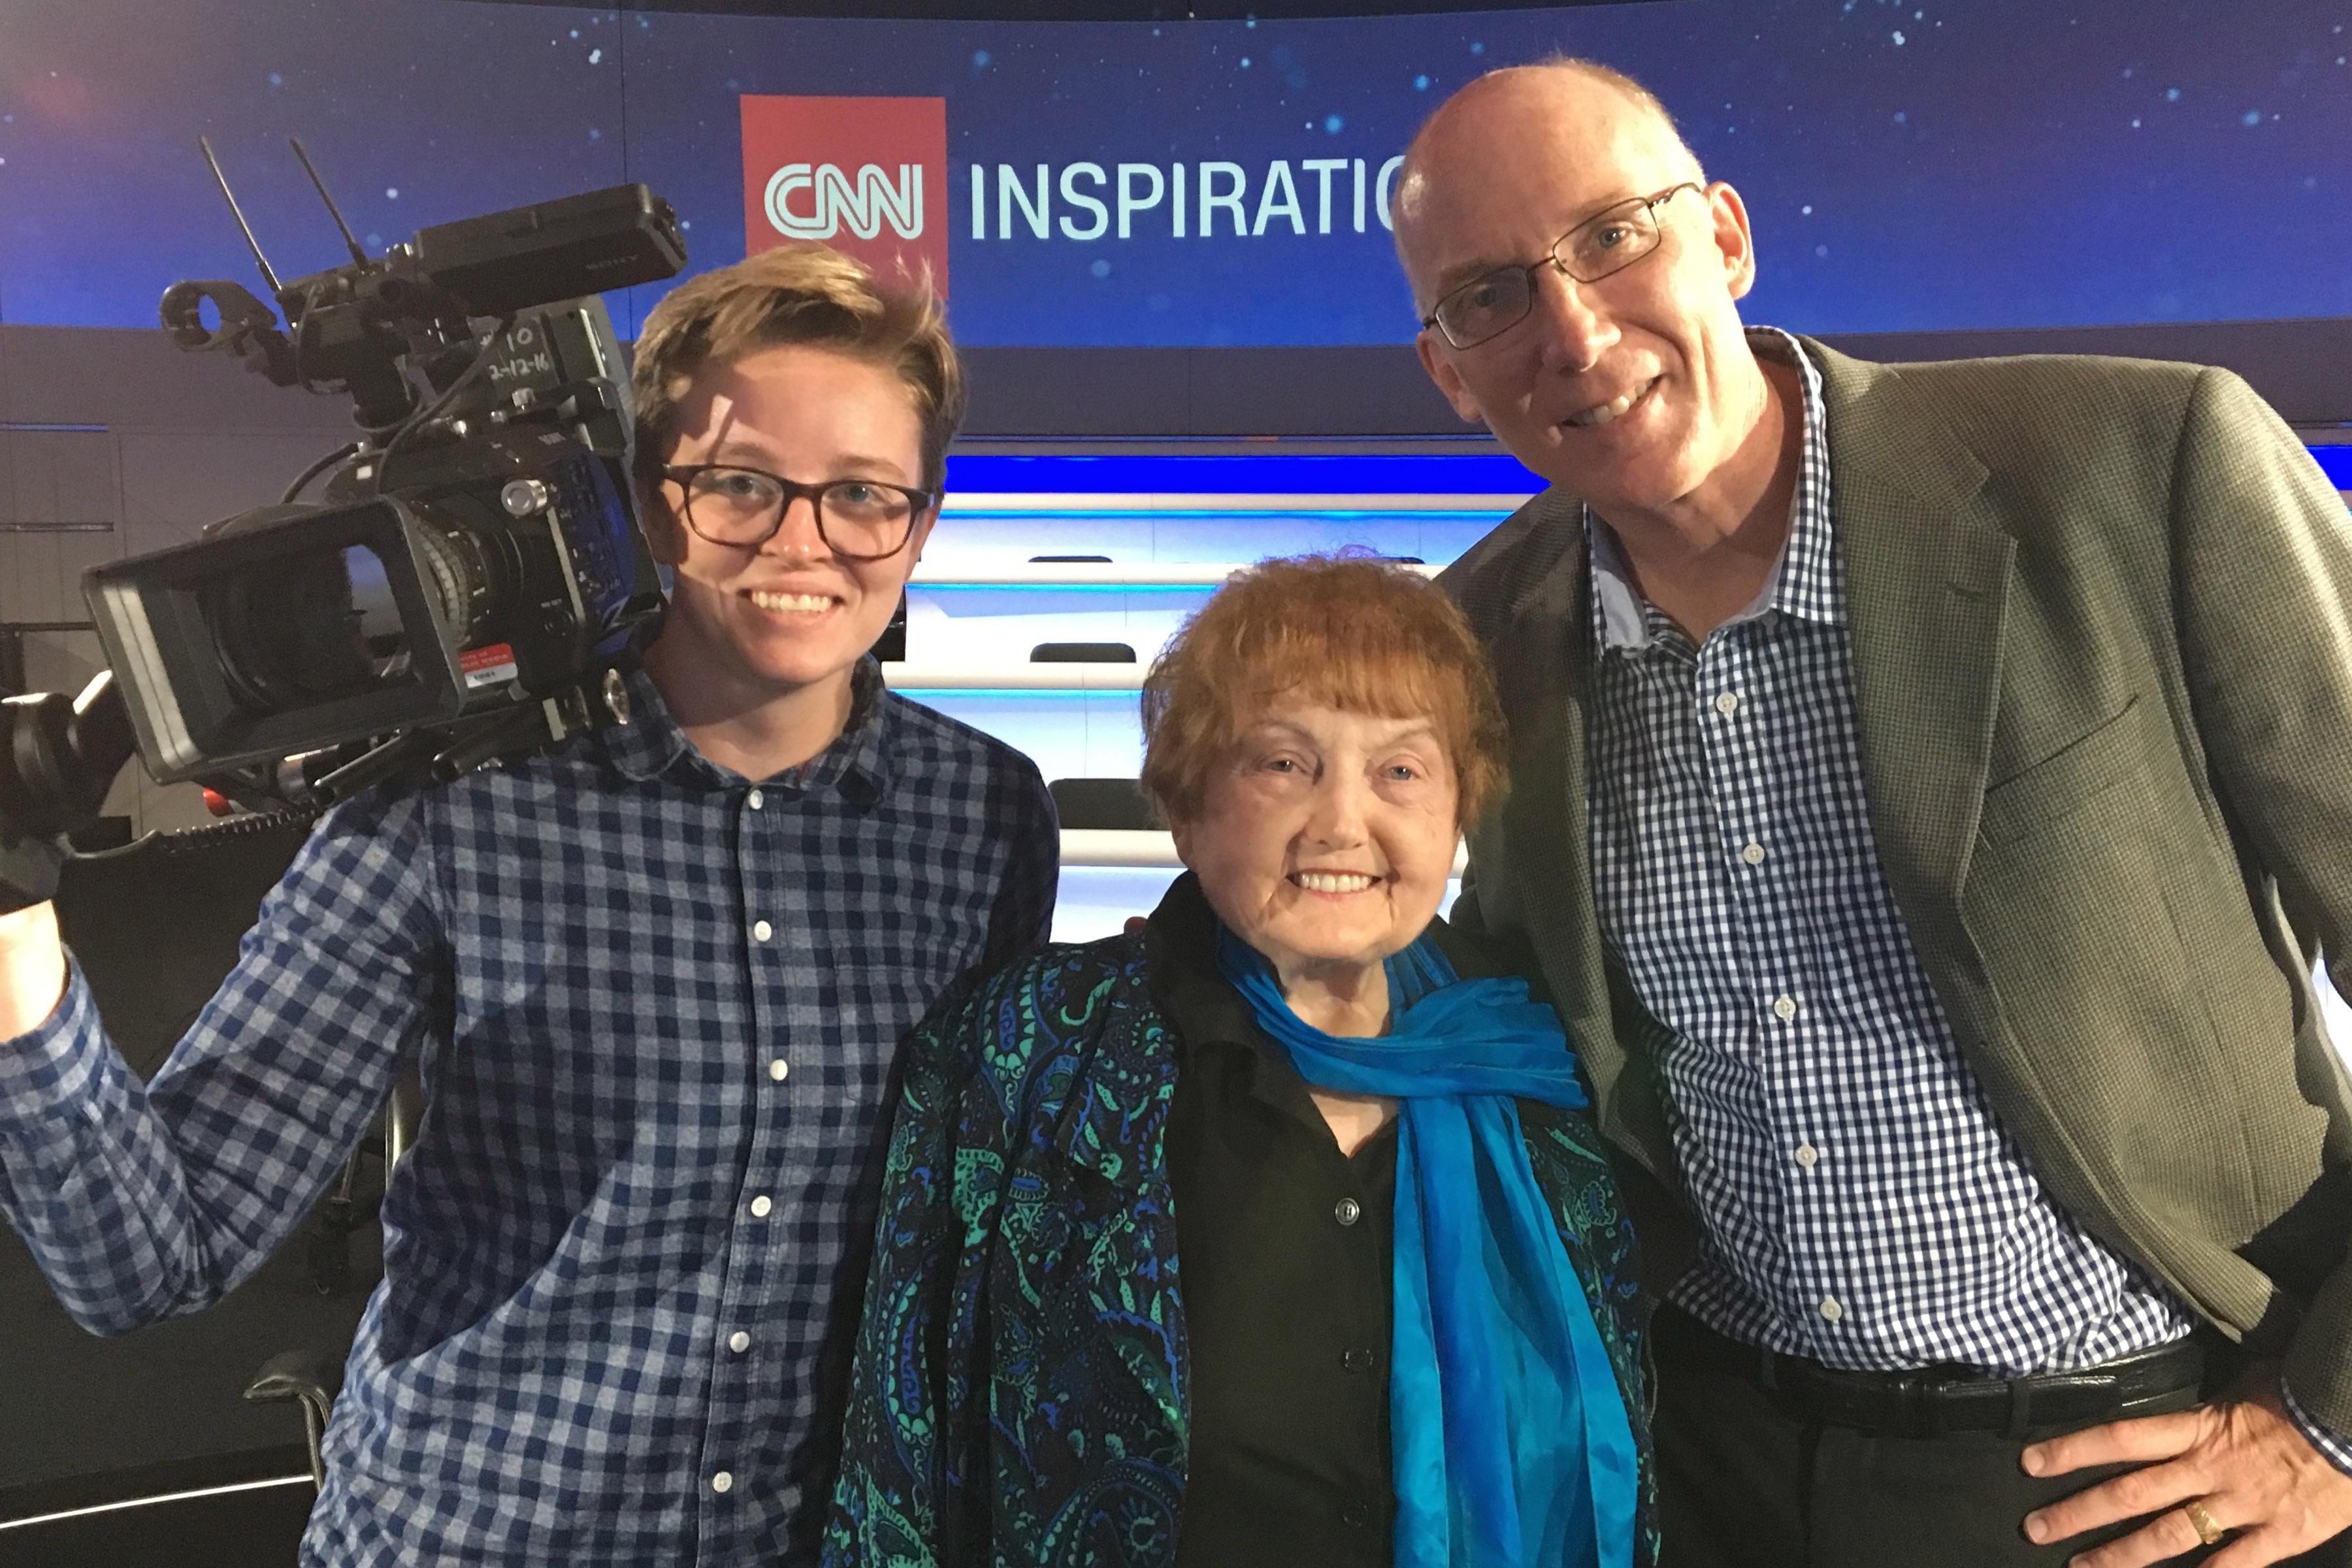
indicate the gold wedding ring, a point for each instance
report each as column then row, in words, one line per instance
column 2202, row 1524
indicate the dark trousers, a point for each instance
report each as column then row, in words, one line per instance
column 1745, row 1481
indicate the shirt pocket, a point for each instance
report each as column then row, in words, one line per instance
column 2064, row 781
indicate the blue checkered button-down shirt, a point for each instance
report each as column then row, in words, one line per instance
column 655, row 1008
column 1864, row 1205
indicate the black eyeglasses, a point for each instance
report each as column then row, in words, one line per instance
column 859, row 520
column 1609, row 241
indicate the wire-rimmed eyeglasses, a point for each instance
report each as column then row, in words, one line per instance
column 859, row 520
column 1609, row 241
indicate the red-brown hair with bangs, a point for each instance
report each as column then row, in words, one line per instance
column 1351, row 632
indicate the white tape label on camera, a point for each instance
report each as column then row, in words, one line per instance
column 487, row 666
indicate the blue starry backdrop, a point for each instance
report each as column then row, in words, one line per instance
column 1909, row 166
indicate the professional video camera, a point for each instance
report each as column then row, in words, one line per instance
column 465, row 588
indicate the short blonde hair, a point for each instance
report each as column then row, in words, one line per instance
column 1354, row 632
column 802, row 293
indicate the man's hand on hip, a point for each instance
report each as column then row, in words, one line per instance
column 2238, row 1471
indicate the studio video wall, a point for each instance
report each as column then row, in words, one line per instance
column 1914, row 166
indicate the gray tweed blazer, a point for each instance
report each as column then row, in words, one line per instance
column 2101, row 614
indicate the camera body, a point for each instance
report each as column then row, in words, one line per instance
column 462, row 591
column 448, row 580
column 476, row 564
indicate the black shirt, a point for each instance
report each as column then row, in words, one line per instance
column 1283, row 1248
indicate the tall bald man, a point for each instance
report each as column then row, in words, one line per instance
column 1930, row 783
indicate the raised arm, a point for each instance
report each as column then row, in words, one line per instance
column 140, row 1201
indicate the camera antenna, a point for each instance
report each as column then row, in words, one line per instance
column 320, row 186
column 268, row 276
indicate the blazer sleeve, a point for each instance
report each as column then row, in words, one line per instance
column 914, row 1439
column 1488, row 916
column 1468, row 914
column 2263, row 553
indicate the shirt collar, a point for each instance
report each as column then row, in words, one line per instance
column 1806, row 581
column 856, row 763
column 1179, row 945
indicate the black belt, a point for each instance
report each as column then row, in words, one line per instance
column 1932, row 1401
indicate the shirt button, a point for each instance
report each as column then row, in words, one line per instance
column 1784, row 1008
column 1356, row 1516
column 754, row 800
column 761, row 1205
column 762, row 930
column 1727, row 704
column 1357, row 1360
column 1808, row 1156
column 738, row 1342
column 1831, row 1310
column 1347, row 1211
column 1753, row 854
column 722, row 1481
column 780, row 1069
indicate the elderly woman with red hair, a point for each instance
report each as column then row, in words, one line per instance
column 1275, row 1233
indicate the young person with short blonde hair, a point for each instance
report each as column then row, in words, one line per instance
column 653, row 983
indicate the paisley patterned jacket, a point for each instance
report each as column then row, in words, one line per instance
column 1020, row 1392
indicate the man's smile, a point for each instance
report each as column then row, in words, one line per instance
column 1602, row 412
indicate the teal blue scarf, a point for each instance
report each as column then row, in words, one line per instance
column 1511, row 1444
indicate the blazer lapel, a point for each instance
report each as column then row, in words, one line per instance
column 1927, row 577
column 1544, row 665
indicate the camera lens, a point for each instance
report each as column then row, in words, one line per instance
column 308, row 627
column 313, row 627
column 456, row 574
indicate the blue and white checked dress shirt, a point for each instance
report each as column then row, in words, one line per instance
column 1862, row 1204
column 655, row 1008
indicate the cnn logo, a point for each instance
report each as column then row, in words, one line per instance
column 866, row 176
column 833, row 200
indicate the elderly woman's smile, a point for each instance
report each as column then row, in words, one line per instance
column 1334, row 881
column 1324, row 838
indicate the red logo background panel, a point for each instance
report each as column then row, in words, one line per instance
column 892, row 134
